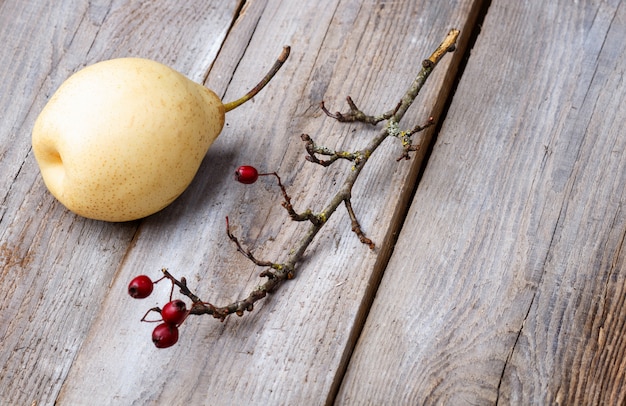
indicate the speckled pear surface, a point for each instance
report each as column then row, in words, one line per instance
column 122, row 139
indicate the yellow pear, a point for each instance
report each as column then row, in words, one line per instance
column 122, row 139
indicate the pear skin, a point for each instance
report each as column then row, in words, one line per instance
column 122, row 139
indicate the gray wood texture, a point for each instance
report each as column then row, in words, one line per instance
column 506, row 284
column 507, row 281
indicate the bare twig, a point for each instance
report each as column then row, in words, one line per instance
column 357, row 115
column 246, row 252
column 279, row 272
column 312, row 149
column 356, row 227
column 307, row 215
column 407, row 143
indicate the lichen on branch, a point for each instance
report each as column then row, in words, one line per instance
column 277, row 272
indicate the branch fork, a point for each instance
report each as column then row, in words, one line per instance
column 277, row 272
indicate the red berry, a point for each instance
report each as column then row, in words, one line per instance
column 165, row 335
column 140, row 287
column 246, row 174
column 174, row 312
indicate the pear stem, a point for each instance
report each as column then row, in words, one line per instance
column 275, row 68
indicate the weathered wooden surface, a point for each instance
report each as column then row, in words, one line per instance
column 73, row 335
column 57, row 268
column 507, row 284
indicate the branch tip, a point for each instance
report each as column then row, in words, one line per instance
column 275, row 272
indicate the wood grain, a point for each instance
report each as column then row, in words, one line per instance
column 55, row 268
column 292, row 348
column 507, row 282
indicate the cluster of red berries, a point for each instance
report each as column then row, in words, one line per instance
column 172, row 315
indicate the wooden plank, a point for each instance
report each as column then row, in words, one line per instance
column 55, row 268
column 293, row 347
column 507, row 282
